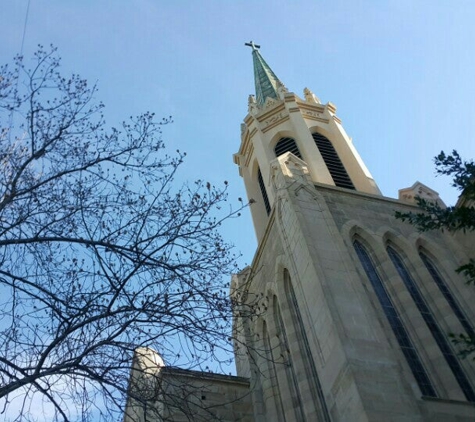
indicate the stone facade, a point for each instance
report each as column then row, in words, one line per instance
column 159, row 393
column 359, row 366
column 345, row 311
column 349, row 322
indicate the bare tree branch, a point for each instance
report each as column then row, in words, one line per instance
column 100, row 251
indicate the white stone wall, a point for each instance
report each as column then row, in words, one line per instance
column 292, row 116
column 159, row 393
column 361, row 369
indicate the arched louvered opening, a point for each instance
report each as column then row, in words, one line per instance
column 260, row 180
column 392, row 315
column 444, row 289
column 333, row 162
column 287, row 145
column 439, row 336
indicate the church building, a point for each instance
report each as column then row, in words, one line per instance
column 345, row 311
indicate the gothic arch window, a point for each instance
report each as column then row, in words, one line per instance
column 392, row 315
column 334, row 165
column 439, row 337
column 439, row 281
column 271, row 365
column 287, row 145
column 260, row 180
column 308, row 361
column 289, row 368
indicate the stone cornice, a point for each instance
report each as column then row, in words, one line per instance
column 331, row 107
column 310, row 111
column 311, row 115
column 275, row 121
column 365, row 196
column 199, row 375
column 265, row 115
column 317, row 108
column 337, row 119
column 246, row 145
column 248, row 120
column 248, row 155
column 290, row 97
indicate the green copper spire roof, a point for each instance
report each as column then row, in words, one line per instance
column 265, row 79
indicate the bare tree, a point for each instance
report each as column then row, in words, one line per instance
column 100, row 252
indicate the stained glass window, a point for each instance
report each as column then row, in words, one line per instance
column 306, row 351
column 447, row 294
column 291, row 376
column 271, row 362
column 439, row 336
column 392, row 315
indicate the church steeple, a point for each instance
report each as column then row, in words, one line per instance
column 265, row 79
column 280, row 122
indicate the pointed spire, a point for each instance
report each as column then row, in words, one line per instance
column 267, row 83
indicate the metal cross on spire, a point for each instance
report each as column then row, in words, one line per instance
column 251, row 44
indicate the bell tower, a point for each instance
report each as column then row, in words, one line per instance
column 280, row 121
column 351, row 308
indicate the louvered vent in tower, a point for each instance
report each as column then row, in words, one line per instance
column 287, row 145
column 333, row 162
column 263, row 191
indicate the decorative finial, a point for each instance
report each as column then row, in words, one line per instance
column 251, row 44
column 252, row 105
column 281, row 89
column 311, row 97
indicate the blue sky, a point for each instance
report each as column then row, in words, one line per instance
column 400, row 72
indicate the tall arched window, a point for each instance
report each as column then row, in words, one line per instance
column 335, row 166
column 289, row 368
column 260, row 180
column 439, row 336
column 271, row 363
column 307, row 357
column 287, row 145
column 457, row 310
column 392, row 315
